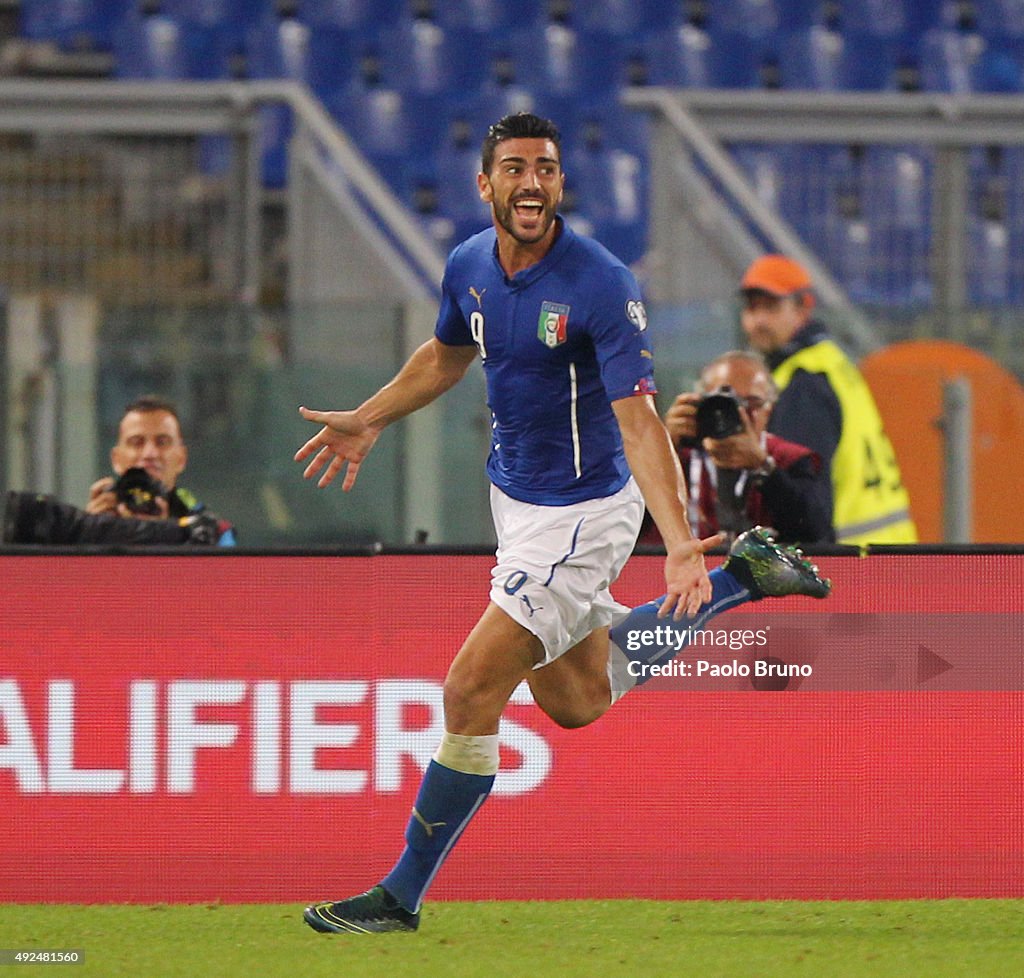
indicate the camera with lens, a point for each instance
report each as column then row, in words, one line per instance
column 139, row 491
column 718, row 415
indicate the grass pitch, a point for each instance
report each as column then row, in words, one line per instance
column 583, row 939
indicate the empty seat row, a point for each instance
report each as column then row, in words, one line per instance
column 632, row 19
column 866, row 211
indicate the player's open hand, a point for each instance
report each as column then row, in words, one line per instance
column 687, row 578
column 344, row 439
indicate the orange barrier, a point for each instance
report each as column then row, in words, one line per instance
column 907, row 379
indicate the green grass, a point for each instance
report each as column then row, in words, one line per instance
column 588, row 939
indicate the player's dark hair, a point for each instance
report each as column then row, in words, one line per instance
column 520, row 125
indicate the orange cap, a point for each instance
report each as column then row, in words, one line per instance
column 777, row 275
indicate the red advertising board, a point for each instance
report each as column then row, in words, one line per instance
column 247, row 728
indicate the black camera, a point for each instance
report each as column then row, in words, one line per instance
column 718, row 415
column 30, row 517
column 139, row 491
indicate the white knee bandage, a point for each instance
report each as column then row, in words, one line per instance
column 469, row 755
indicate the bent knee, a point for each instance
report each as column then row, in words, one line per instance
column 572, row 716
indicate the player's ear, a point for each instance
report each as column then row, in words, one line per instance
column 483, row 185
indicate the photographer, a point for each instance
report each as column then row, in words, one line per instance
column 737, row 474
column 140, row 504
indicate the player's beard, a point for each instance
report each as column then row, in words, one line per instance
column 505, row 215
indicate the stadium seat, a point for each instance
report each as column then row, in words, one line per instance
column 1000, row 18
column 770, row 169
column 993, row 219
column 813, row 58
column 750, row 18
column 680, row 55
column 608, row 184
column 549, row 60
column 421, row 57
column 951, row 60
column 694, row 57
column 877, row 18
column 818, row 58
column 619, row 18
column 455, row 164
column 156, row 46
column 228, row 15
column 351, row 15
column 286, row 47
column 377, row 117
column 487, row 15
column 88, row 24
column 897, row 188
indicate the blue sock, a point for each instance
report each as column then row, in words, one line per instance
column 447, row 800
column 726, row 592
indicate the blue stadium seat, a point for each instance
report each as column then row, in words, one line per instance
column 286, row 47
column 692, row 57
column 1000, row 18
column 813, row 58
column 487, row 15
column 86, row 24
column 961, row 62
column 770, row 168
column 282, row 46
column 377, row 117
column 159, row 47
column 950, row 60
column 351, row 15
column 549, row 60
column 819, row 59
column 421, row 57
column 751, row 18
column 680, row 55
column 877, row 18
column 229, row 15
column 897, row 187
column 995, row 228
column 456, row 163
column 607, row 182
column 619, row 18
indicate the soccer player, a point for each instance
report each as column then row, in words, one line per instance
column 578, row 448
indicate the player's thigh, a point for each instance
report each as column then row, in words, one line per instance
column 495, row 657
column 574, row 689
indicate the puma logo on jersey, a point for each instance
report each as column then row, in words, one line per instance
column 479, row 296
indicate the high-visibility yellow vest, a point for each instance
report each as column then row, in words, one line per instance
column 870, row 502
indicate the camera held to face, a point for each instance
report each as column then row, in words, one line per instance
column 139, row 491
column 718, row 415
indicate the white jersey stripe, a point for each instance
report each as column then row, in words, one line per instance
column 574, row 421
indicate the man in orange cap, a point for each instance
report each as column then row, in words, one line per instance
column 825, row 403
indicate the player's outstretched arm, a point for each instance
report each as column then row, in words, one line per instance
column 655, row 466
column 347, row 436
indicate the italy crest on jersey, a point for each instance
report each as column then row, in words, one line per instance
column 553, row 323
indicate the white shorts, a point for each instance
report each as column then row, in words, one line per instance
column 556, row 563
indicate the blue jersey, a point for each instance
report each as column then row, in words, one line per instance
column 559, row 342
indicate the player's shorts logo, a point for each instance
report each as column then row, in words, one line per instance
column 552, row 327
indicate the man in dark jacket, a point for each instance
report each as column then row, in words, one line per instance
column 825, row 404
